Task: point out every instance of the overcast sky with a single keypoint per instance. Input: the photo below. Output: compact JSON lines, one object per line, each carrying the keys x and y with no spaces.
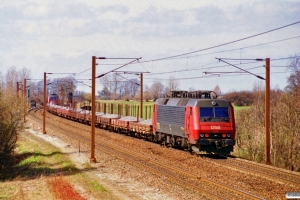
{"x":62,"y":36}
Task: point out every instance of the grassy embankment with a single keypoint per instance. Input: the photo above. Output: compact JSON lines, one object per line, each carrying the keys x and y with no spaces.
{"x":44,"y":172}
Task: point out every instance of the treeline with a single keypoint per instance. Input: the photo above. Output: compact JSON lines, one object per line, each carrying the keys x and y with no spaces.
{"x":285,"y":123}
{"x":116,"y":87}
{"x":240,"y":98}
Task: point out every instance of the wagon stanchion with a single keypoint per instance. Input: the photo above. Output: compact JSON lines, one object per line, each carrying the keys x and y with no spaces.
{"x":129,"y":110}
{"x":126,"y":110}
{"x":79,"y":146}
{"x":137,"y":114}
{"x":134,"y":111}
{"x":119,"y":110}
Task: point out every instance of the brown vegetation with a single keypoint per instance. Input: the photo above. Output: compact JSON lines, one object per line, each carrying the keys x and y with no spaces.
{"x":12,"y":111}
{"x":62,"y":189}
{"x":285,"y":126}
{"x":240,"y":98}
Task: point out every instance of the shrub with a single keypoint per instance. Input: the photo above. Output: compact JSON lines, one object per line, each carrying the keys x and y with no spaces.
{"x":11,"y":122}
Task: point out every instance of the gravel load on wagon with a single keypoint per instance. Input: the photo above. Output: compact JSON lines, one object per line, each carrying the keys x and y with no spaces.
{"x":99,"y":113}
{"x":130,"y":118}
{"x":147,"y":122}
{"x":110,"y":116}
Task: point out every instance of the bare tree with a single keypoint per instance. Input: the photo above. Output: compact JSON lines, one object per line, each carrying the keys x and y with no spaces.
{"x":12,"y":77}
{"x":173,"y":83}
{"x":294,"y":79}
{"x":147,"y":93}
{"x":24,"y":73}
{"x":156,"y":89}
{"x":116,"y":83}
{"x":105,"y":81}
{"x":126,"y":95}
{"x":134,"y":87}
{"x":104,"y":93}
{"x":113,"y":83}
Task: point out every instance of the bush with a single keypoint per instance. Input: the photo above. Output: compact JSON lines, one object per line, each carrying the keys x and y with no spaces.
{"x":284,"y":129}
{"x":11,"y":122}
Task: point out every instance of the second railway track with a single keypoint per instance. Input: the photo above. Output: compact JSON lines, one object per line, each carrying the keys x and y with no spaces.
{"x":260,"y":169}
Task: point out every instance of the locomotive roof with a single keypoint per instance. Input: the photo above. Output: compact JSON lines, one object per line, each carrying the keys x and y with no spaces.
{"x":191,"y":102}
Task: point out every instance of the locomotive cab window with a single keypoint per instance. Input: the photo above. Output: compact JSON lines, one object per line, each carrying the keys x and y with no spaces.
{"x":209,"y":114}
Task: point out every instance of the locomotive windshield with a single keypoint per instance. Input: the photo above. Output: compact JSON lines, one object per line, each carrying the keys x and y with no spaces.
{"x":214,"y":114}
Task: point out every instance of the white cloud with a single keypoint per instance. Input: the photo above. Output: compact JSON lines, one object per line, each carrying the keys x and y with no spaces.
{"x":35,"y":10}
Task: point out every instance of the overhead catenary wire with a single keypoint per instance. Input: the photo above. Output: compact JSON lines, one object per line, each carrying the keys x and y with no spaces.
{"x":212,"y":52}
{"x":235,"y":49}
{"x":197,"y":68}
{"x":214,"y":76}
{"x":222,"y":66}
{"x":224,"y":44}
{"x":192,"y":52}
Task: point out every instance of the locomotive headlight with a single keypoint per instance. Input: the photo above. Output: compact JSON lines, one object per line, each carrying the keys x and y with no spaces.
{"x":228,"y":135}
{"x":201,"y":135}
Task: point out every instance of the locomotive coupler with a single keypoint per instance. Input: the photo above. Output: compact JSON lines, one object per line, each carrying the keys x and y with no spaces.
{"x":217,"y":145}
{"x":224,"y":143}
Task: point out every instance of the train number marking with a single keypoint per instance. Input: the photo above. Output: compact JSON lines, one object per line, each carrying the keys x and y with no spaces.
{"x":215,"y":127}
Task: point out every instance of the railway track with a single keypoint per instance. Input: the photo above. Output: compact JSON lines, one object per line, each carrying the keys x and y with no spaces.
{"x":181,"y":177}
{"x":260,"y":169}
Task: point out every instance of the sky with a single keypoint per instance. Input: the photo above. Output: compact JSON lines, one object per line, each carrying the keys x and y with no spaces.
{"x":61,"y":37}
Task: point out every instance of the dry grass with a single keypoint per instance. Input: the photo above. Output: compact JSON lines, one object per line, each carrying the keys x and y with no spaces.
{"x":49,"y":174}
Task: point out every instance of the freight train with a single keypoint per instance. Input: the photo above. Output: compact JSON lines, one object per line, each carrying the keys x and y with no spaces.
{"x":195,"y":121}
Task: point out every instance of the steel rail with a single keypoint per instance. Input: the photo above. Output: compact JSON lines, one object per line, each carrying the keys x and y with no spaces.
{"x":261,"y":169}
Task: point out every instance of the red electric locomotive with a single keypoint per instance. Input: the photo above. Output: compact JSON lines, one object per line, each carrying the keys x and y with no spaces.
{"x":197,"y":121}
